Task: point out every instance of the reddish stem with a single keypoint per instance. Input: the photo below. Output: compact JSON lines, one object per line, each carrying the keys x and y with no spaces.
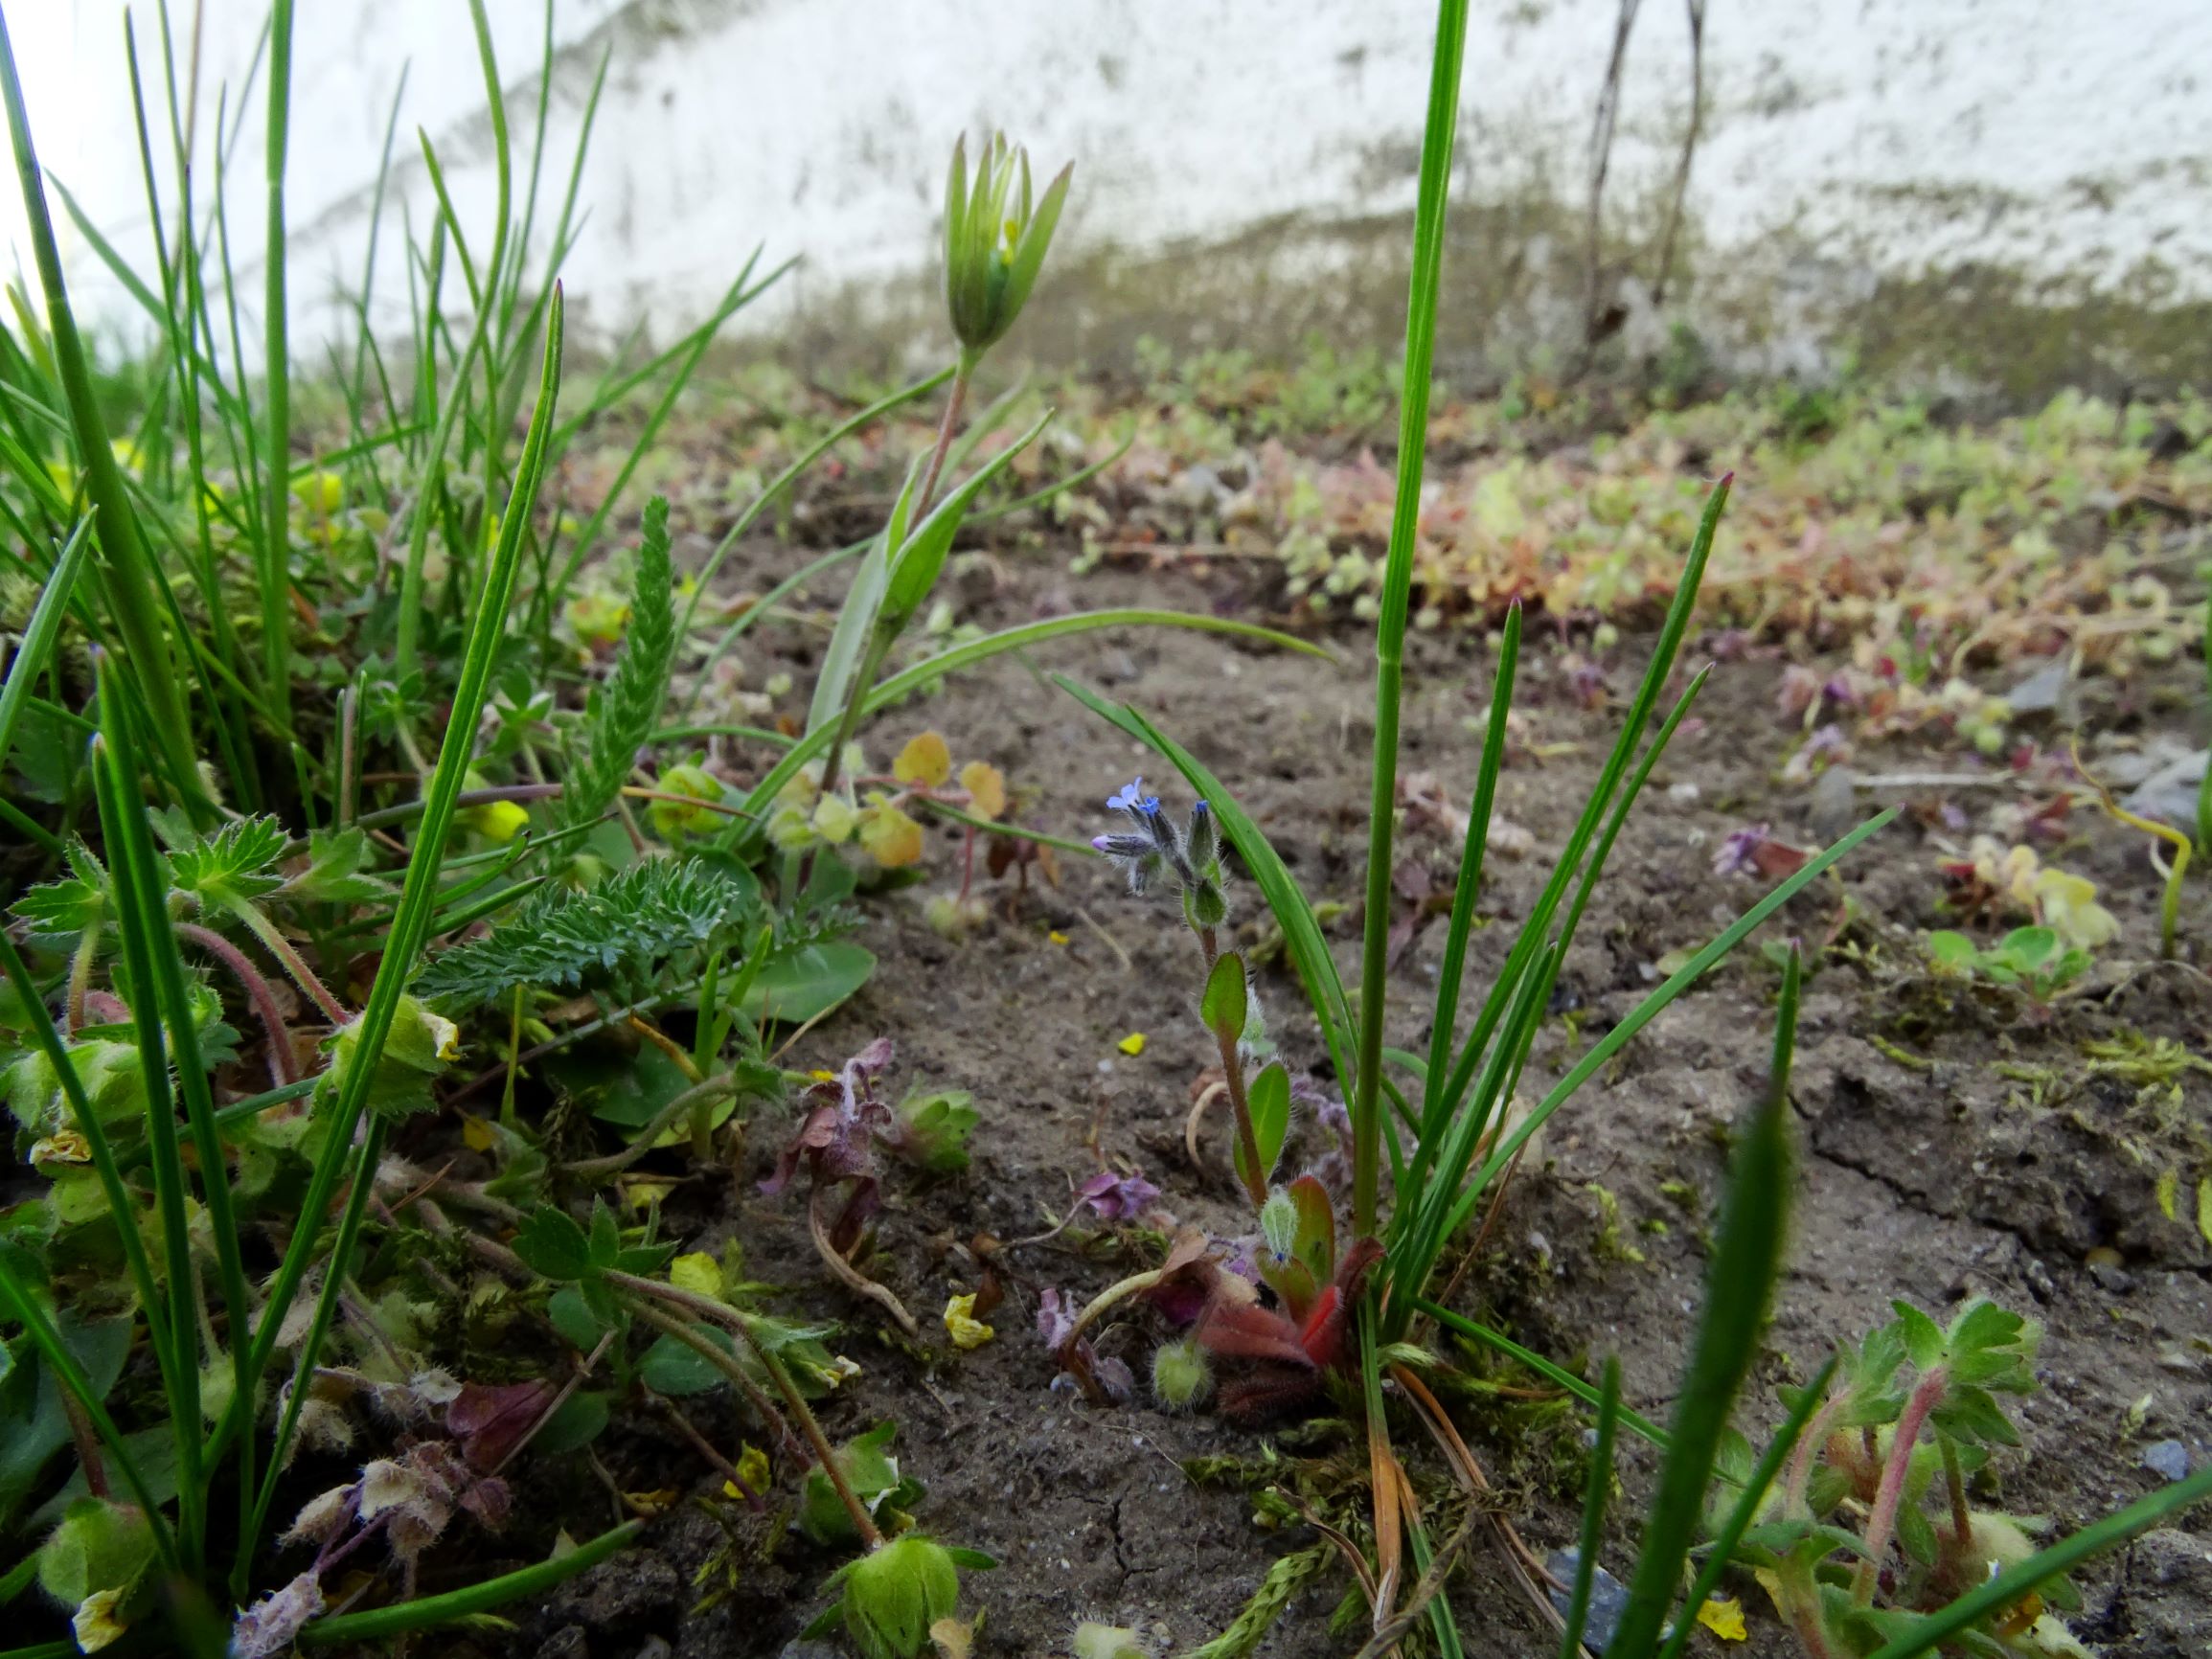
{"x":1925,"y":1397}
{"x":258,"y":992}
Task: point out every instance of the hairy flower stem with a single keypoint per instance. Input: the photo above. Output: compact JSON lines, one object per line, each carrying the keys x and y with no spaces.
{"x":294,"y":964}
{"x":1879,"y":1525}
{"x":258,"y":992}
{"x":1255,"y":1178}
{"x":81,"y":966}
{"x":723,"y":1314}
{"x":699,"y":1097}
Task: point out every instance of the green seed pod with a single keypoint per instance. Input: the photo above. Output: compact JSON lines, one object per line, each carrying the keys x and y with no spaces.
{"x":1181,"y":1377}
{"x":893,"y":1594}
{"x":1279,"y":1224}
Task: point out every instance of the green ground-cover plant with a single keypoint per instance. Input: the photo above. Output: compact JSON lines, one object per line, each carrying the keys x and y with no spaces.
{"x":341,"y":753}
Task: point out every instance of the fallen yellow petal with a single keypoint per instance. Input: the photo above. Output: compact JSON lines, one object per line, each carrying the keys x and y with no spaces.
{"x":753,"y":1468}
{"x":962,"y":1325}
{"x":1132,"y":1045}
{"x":475,"y":1133}
{"x":1057,"y":937}
{"x":1724,"y":1616}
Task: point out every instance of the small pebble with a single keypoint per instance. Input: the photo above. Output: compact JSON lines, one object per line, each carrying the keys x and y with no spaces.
{"x":2168,"y":1460}
{"x":2116,"y":1279}
{"x":1683,"y":794}
{"x":2039,"y":1279}
{"x":1608,"y":1598}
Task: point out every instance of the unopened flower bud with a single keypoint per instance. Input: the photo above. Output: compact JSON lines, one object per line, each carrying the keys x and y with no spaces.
{"x":994,"y":240}
{"x":893,"y":1594}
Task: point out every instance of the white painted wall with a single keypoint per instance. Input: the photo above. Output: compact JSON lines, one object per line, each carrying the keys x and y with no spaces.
{"x":1848,"y":140}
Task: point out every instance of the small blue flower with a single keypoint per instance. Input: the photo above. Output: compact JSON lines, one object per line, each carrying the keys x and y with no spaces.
{"x":1131,"y":798}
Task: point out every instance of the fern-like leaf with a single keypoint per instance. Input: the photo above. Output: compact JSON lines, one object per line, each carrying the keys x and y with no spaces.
{"x":621,"y":714}
{"x":616,"y":932}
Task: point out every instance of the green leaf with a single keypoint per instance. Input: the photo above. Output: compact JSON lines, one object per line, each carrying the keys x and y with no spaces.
{"x":916,"y":562}
{"x":581,"y":1420}
{"x":333,"y":875}
{"x":798,"y":985}
{"x":457,"y":1604}
{"x":1224,"y":1003}
{"x":1922,"y":1337}
{"x":1269,"y":1099}
{"x":676,"y":1369}
{"x":553,"y":1246}
{"x":634,"y":918}
{"x":579,"y":1327}
{"x":235,"y":865}
{"x":1952,"y":950}
{"x":605,"y":1242}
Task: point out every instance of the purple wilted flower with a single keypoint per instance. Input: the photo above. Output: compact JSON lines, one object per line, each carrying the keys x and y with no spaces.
{"x":1739,"y":852}
{"x":1114,"y":1197}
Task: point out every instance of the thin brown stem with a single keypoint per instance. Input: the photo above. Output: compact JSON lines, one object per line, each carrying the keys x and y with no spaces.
{"x":851,"y":1276}
{"x":723,"y":1314}
{"x":947,"y":425}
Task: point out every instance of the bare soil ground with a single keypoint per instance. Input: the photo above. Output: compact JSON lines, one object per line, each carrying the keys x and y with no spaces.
{"x":1949,"y":1143}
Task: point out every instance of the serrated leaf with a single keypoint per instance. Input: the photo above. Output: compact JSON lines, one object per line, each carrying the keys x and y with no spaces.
{"x":236,"y":864}
{"x":1922,"y":1337}
{"x":553,"y":1246}
{"x":622,"y":715}
{"x":335,"y":861}
{"x":559,"y":938}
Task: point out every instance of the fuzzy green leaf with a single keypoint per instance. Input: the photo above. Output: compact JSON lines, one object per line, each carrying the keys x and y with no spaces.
{"x":1224,"y":1002}
{"x":553,"y":1244}
{"x":234,"y":865}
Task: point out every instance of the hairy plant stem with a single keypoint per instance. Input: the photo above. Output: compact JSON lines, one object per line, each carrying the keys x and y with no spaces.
{"x":294,"y":964}
{"x":1925,"y":1399}
{"x":721,"y":1313}
{"x":1255,"y":1178}
{"x":81,"y":966}
{"x":698,"y":1097}
{"x":258,"y":992}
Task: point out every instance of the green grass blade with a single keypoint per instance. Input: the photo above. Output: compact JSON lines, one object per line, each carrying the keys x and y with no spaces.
{"x":1747,"y":1262}
{"x":1470,"y":860}
{"x":784,"y":480}
{"x":157,"y":980}
{"x":419,"y":895}
{"x":172,"y":1185}
{"x":1680,"y":981}
{"x":1596,"y":1493}
{"x":125,"y":564}
{"x":2014,"y":1582}
{"x":1746,"y":1507}
{"x":430,"y":1610}
{"x":41,"y":632}
{"x":275,"y":548}
{"x":1364,"y":1098}
{"x":1475,"y":1331}
{"x":1302,"y":935}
